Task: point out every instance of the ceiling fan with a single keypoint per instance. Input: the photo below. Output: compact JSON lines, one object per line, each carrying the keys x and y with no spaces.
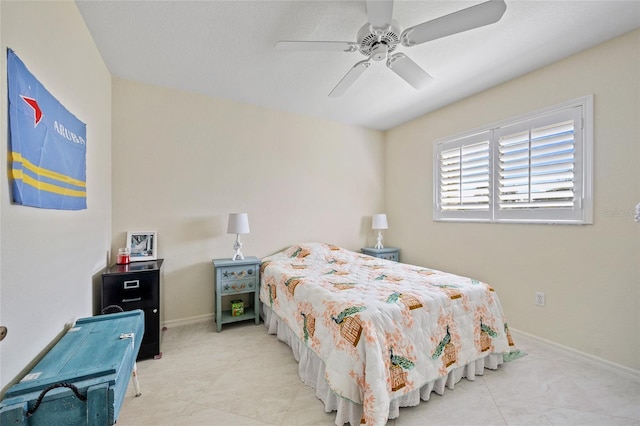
{"x":379,"y":38}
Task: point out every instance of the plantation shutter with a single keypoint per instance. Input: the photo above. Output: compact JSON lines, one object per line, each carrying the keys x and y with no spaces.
{"x":538,"y":166}
{"x":464,"y":175}
{"x":535,"y":168}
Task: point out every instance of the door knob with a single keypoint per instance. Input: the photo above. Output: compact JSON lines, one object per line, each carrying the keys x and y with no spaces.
{"x":3,"y":332}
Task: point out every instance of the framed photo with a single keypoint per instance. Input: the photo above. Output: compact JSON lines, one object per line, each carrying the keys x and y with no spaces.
{"x":142,"y":245}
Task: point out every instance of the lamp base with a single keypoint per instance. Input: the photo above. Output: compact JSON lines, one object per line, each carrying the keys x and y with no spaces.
{"x":238,"y":256}
{"x":379,"y":241}
{"x":237,"y":246}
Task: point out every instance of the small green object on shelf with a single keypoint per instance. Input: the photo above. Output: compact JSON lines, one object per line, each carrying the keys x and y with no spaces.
{"x":237,"y":308}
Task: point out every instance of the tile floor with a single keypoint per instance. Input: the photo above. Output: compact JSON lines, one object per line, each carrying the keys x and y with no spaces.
{"x":242,"y":376}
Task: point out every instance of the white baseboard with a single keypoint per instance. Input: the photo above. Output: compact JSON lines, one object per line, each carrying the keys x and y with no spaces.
{"x":601,"y":362}
{"x":188,"y":321}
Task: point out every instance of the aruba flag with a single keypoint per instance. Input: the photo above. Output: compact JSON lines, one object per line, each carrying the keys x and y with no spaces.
{"x":47,"y":145}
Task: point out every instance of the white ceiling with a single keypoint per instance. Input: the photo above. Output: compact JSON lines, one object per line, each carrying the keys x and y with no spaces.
{"x":226,"y":49}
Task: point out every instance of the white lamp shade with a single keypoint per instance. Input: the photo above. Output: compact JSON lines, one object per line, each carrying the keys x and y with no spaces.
{"x":238,"y":223}
{"x":379,"y":221}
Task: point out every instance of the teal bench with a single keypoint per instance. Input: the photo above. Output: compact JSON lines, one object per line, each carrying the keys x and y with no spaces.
{"x":82,"y":380}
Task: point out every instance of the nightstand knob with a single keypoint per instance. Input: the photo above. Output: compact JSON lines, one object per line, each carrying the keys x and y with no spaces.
{"x":250,"y":271}
{"x":225,"y":274}
{"x":226,"y":287}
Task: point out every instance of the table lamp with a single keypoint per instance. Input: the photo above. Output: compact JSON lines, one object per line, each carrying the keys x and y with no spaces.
{"x":379,"y":223}
{"x":238,"y":224}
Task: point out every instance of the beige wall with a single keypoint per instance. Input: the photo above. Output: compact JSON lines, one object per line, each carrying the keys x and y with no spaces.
{"x":590,"y":274}
{"x":49,"y":257}
{"x":183,"y":162}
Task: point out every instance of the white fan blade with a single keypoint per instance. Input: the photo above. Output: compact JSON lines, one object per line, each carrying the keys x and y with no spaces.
{"x":379,"y":13}
{"x":351,"y":76}
{"x":408,"y":70}
{"x":466,"y":19}
{"x":334,"y":46}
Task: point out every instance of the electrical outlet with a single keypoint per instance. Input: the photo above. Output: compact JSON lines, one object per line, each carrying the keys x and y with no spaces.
{"x":539,"y":298}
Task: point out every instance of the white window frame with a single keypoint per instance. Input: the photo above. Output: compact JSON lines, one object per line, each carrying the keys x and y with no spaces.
{"x":581,"y":111}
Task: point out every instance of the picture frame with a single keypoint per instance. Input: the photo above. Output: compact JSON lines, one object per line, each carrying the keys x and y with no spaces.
{"x":142,"y":246}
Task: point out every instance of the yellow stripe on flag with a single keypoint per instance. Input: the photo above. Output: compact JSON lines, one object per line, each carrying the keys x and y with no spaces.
{"x":16,"y":157}
{"x":43,"y":186}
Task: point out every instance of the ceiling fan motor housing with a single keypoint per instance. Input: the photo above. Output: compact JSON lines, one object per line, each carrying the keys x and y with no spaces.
{"x":377,"y":46}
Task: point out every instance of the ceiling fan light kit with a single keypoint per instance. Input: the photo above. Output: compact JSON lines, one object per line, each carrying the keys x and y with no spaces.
{"x":381,"y":35}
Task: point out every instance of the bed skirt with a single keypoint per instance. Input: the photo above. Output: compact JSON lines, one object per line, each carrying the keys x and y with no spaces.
{"x":311,"y":370}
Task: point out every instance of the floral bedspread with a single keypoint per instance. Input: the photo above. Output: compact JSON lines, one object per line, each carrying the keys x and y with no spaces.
{"x":382,"y":328}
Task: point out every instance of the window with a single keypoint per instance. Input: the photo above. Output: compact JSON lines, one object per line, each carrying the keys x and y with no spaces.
{"x":465,"y":177}
{"x":534,"y":168}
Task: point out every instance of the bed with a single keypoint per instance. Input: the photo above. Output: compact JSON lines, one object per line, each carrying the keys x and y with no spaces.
{"x":373,"y":335}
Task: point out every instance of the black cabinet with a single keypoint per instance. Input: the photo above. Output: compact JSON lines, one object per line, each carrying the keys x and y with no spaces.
{"x":136,"y":286}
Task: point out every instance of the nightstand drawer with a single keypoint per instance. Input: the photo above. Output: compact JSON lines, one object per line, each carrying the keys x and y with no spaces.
{"x":238,"y":286}
{"x":240,"y":272}
{"x":389,"y":256}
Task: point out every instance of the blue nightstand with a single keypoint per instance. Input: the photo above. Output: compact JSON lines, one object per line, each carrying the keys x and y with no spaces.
{"x":389,"y":253}
{"x":233,"y":278}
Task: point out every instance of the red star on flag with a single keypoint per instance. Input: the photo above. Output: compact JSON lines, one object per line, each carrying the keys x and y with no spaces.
{"x":37,"y":112}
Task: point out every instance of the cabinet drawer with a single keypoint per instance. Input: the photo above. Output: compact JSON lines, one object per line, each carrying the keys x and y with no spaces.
{"x":137,"y":290}
{"x":389,"y":256}
{"x":389,"y":253}
{"x":240,"y":272}
{"x":238,"y":286}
